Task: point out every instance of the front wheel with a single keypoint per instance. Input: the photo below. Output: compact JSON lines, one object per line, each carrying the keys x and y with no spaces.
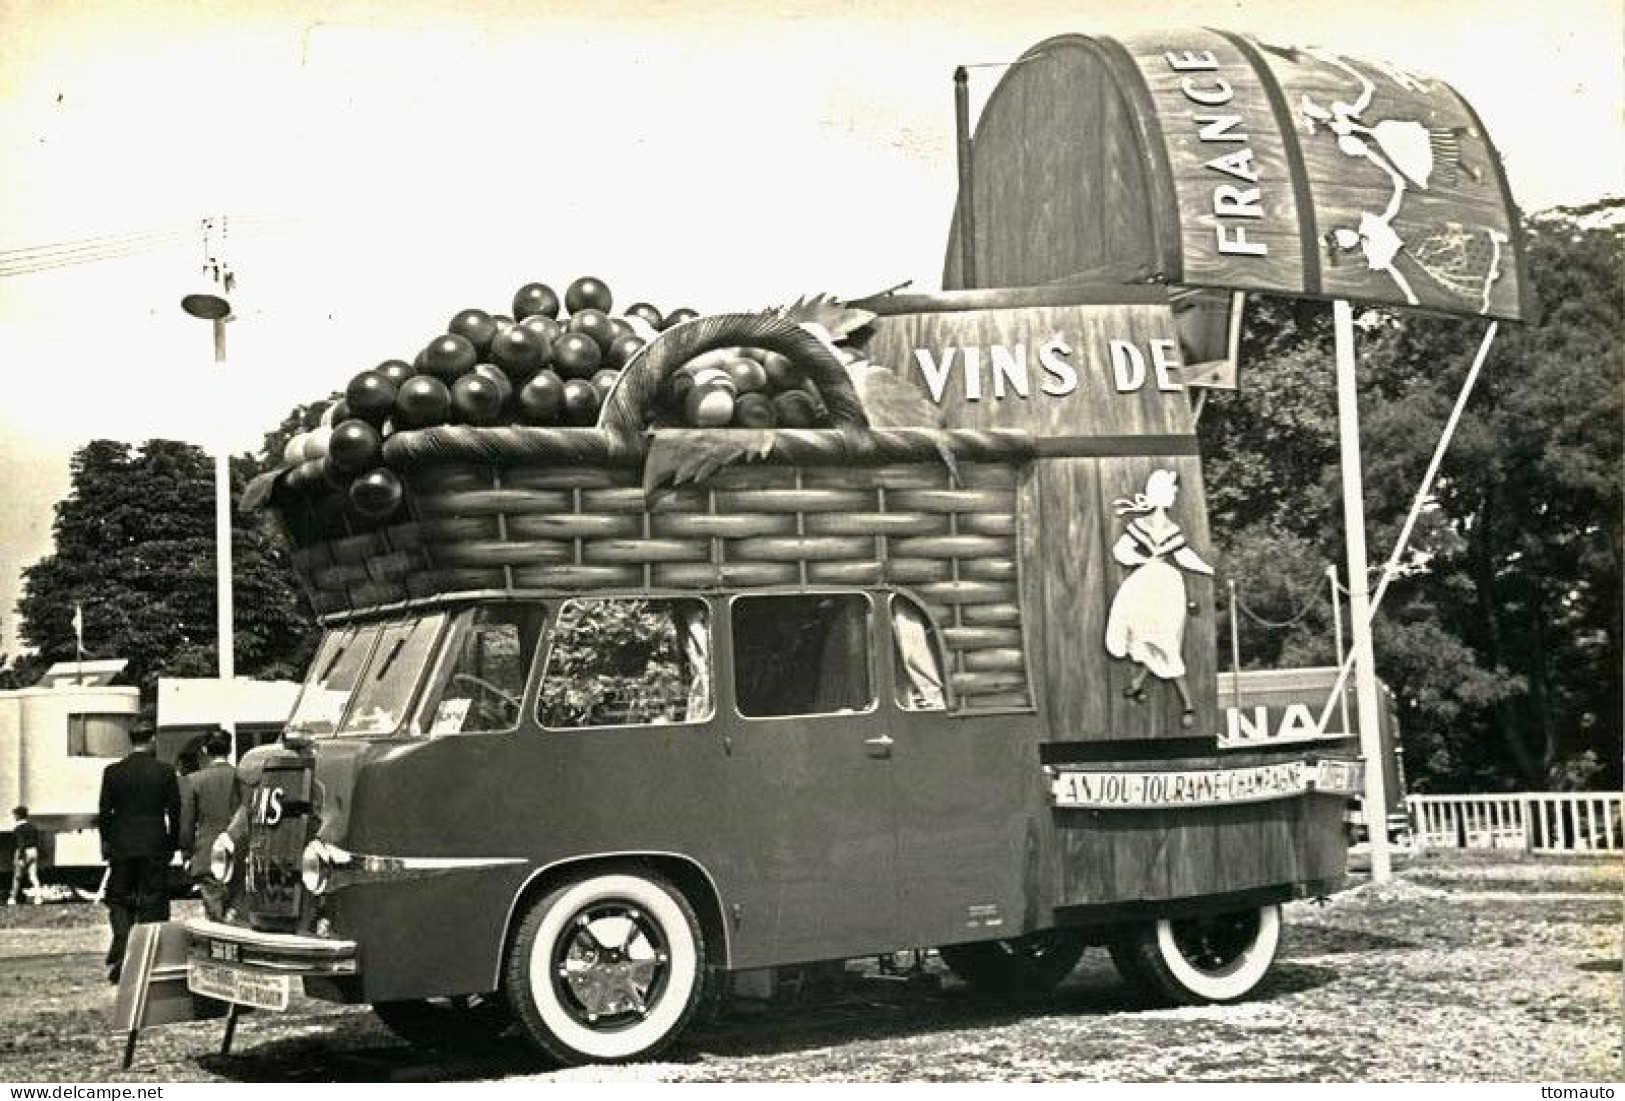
{"x":1031,"y":966}
{"x":608,"y":968}
{"x":1212,"y":959}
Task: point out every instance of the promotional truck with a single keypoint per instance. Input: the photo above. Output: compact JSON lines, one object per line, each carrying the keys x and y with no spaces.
{"x":660,"y":647}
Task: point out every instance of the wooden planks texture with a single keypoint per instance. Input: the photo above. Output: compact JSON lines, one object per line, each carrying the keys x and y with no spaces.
{"x":1067,"y":519}
{"x":1128,"y":856}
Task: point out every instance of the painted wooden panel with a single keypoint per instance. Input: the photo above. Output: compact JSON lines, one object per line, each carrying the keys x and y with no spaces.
{"x":1128,"y":856}
{"x":1205,"y":158}
{"x":1399,"y":192}
{"x":1230,"y":166}
{"x":1070,"y":502}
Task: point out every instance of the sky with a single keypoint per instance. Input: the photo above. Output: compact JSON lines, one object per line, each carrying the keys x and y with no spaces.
{"x":384,"y":165}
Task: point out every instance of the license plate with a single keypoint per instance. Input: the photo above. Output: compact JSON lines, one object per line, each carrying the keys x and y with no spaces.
{"x":224,"y":951}
{"x":233,"y":984}
{"x":1339,"y":777}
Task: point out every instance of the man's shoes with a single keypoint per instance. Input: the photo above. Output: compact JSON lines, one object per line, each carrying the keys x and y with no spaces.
{"x":114,"y":972}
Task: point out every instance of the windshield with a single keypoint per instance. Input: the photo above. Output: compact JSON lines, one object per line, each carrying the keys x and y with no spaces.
{"x":332,"y":680}
{"x":363,"y":678}
{"x":392,"y":674}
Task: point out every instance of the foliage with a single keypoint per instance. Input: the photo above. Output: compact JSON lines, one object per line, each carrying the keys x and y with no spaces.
{"x":615,"y":661}
{"x":1501,"y":631}
{"x":135,"y":549}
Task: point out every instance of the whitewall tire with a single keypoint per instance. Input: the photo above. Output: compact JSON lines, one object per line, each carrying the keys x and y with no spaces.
{"x":1214,"y":958}
{"x":608,"y":968}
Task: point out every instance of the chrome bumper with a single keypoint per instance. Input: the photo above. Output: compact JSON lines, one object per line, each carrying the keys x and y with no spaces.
{"x":288,"y":953}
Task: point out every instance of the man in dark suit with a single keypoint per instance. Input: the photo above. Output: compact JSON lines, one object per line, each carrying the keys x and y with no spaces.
{"x":140,"y":820}
{"x":209,"y":798}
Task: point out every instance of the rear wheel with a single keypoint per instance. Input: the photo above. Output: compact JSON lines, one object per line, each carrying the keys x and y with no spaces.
{"x":606,"y":969}
{"x":468,"y":1020}
{"x":1029,"y":966}
{"x":1203,"y":960}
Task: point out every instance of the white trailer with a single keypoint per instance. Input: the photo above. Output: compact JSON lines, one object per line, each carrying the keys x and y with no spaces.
{"x":56,"y":738}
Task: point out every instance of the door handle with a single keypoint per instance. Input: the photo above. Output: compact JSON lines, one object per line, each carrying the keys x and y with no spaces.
{"x":879,"y":746}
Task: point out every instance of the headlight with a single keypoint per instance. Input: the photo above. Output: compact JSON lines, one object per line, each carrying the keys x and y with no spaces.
{"x":317,"y":863}
{"x":222,"y":858}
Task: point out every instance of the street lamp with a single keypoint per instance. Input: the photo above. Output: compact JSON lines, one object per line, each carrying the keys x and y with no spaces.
{"x":212,"y":306}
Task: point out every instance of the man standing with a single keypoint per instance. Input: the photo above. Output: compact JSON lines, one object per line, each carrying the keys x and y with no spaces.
{"x":140,"y":824}
{"x":24,"y":857}
{"x":209,"y":798}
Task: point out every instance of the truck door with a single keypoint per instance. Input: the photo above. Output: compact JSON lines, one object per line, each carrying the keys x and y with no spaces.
{"x":810,"y":766}
{"x":968,"y":797}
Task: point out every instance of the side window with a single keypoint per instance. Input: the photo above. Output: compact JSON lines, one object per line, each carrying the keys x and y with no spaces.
{"x":916,"y":658}
{"x":627,"y":662}
{"x":802,"y":655}
{"x":484,"y":679}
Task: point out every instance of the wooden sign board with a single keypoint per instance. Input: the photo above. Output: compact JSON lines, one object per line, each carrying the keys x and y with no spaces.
{"x":152,"y":986}
{"x":1206,"y":158}
{"x":1095,"y":375}
{"x":1128,"y":789}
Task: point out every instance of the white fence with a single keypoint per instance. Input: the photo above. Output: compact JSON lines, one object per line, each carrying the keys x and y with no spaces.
{"x":1581,"y":821}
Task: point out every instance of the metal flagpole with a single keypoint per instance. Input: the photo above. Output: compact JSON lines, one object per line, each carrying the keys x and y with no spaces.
{"x":1365,"y":673}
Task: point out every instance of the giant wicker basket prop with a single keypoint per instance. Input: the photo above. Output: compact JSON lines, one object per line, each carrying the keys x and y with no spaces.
{"x":566,"y":510}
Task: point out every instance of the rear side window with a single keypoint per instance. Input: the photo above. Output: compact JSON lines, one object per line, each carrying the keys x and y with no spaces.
{"x":802,"y":655}
{"x":916,"y":658}
{"x":628,"y":662}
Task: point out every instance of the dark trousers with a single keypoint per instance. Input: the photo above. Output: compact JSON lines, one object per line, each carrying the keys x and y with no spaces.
{"x":137,"y":891}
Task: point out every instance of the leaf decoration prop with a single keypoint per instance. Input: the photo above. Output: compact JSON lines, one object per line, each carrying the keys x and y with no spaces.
{"x":678,"y":455}
{"x":838,"y":319}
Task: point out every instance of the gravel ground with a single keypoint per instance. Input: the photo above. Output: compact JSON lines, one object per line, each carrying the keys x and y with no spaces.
{"x":1461,"y":969}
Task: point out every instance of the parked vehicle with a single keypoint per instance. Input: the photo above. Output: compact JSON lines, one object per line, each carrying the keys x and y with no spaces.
{"x":923,"y":656}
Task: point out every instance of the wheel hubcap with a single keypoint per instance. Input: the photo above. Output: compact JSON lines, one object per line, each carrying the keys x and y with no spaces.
{"x":1215,"y":943}
{"x":611,"y":965}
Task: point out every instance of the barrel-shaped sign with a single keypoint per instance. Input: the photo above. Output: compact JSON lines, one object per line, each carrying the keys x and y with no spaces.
{"x":1206,"y":158}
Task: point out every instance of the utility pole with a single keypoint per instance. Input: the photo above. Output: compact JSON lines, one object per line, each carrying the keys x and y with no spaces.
{"x":214,"y":306}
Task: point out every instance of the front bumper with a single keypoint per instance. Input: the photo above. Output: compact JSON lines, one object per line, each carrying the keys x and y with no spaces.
{"x":283,"y":953}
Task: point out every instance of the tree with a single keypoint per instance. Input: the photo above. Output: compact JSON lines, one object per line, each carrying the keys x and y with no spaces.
{"x":134,"y":548}
{"x":1502,"y":634}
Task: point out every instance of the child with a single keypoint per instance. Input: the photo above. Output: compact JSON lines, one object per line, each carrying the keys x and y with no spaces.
{"x":24,"y":857}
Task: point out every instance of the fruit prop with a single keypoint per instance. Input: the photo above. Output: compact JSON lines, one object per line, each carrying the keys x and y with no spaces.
{"x":567,"y":384}
{"x":475,"y":326}
{"x":376,"y":493}
{"x":535,"y":300}
{"x":590,"y":452}
{"x":356,"y":446}
{"x":371,"y":396}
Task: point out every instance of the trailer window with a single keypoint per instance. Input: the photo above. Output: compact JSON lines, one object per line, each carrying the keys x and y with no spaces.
{"x":483,"y":680}
{"x":627,"y":662}
{"x":393,"y":672}
{"x":332,"y":680}
{"x":916,"y":658}
{"x":801,"y":655}
{"x":96,"y":735}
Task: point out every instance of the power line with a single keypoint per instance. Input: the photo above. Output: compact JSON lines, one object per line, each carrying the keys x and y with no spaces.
{"x":84,"y":244}
{"x":92,"y":250}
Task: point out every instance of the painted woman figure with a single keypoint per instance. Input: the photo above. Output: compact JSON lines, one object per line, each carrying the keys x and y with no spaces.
{"x":1146,"y":623}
